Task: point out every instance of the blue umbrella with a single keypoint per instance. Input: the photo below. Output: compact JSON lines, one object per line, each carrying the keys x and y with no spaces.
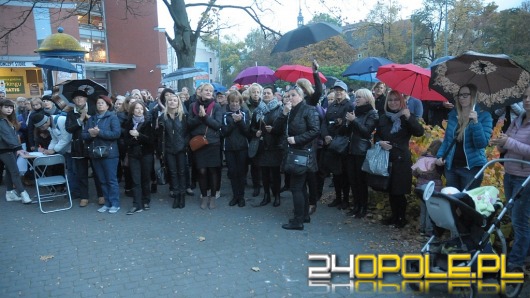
{"x":218,"y":87}
{"x":57,"y":64}
{"x":364,"y":66}
{"x":183,"y":73}
{"x":367,"y":77}
{"x":440,"y":60}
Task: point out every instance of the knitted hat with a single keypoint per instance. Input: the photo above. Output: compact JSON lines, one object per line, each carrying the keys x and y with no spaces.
{"x":39,"y":119}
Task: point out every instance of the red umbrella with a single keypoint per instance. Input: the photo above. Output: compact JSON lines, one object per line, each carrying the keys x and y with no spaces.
{"x":409,"y":79}
{"x":291,"y":73}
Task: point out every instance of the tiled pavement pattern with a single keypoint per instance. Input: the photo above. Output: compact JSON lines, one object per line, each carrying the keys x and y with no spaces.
{"x":165,"y":252}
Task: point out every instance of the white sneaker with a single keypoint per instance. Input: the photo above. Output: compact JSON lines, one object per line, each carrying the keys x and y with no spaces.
{"x":25,"y":197}
{"x":12,"y":196}
{"x":114,"y":209}
{"x":103,"y":209}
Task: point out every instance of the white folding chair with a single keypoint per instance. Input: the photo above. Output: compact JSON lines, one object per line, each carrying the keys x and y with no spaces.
{"x":46,"y":182}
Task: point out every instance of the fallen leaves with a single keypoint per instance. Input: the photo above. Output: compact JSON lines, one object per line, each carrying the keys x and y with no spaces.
{"x":201,"y":238}
{"x":255,"y":269}
{"x":46,"y":258}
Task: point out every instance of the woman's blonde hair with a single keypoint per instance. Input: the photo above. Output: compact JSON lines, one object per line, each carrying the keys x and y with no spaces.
{"x":363,"y":92}
{"x":306,"y":86}
{"x":179,"y":111}
{"x":463,"y":120}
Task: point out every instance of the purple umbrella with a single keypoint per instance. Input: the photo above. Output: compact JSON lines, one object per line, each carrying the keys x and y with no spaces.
{"x":256,"y":74}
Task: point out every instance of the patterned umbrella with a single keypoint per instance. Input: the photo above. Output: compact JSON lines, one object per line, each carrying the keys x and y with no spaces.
{"x":500,"y":81}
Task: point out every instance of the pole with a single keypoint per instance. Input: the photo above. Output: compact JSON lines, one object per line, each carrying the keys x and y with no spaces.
{"x":445,"y":34}
{"x":219,"y":50}
{"x":413,"y":47}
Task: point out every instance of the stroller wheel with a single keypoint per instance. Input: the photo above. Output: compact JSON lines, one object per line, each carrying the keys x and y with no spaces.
{"x":412,"y":267}
{"x":513,"y":290}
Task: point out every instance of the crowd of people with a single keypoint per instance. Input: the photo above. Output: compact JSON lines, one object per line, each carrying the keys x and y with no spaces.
{"x":256,"y":130}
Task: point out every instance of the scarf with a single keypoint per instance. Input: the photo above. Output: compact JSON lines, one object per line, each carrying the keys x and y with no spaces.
{"x":396,"y":120}
{"x":361,"y":110}
{"x":208,"y":106}
{"x":263,"y":109}
{"x":51,"y":111}
{"x":137,"y":120}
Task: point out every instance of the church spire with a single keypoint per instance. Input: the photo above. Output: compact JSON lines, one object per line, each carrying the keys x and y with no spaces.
{"x":300,"y":16}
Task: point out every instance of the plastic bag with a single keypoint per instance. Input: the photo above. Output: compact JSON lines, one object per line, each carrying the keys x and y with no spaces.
{"x":377,"y":161}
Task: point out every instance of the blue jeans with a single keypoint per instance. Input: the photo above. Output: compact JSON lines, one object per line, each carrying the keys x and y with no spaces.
{"x":520,"y":218}
{"x":107,"y":174}
{"x":460,"y":177}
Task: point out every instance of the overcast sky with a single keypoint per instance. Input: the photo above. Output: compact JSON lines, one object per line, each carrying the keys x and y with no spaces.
{"x":283,"y":18}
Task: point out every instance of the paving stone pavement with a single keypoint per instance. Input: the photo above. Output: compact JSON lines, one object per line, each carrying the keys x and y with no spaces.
{"x":167,"y":252}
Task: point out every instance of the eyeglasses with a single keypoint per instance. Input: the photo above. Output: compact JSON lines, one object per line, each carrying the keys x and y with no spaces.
{"x":464,"y":95}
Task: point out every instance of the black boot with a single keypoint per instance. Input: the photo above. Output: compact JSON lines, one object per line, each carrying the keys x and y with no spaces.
{"x":362,"y":212}
{"x":256,"y":191}
{"x":266,"y":199}
{"x":335,"y":203}
{"x":241,"y":202}
{"x":276,"y":200}
{"x":233,"y":201}
{"x":354,"y":210}
{"x":293,"y":225}
{"x":182,"y":202}
{"x":401,"y":220}
{"x":176,"y":201}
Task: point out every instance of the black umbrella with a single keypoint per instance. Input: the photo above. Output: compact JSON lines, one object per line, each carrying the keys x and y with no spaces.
{"x":65,"y":90}
{"x":500,"y":81}
{"x":331,"y":81}
{"x":306,"y":35}
{"x":183,"y":73}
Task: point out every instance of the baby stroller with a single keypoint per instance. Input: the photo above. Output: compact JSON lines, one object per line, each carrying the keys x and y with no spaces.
{"x":470,"y":230}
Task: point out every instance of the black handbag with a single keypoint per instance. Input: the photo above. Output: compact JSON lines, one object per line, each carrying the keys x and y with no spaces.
{"x":297,"y":161}
{"x":161,"y":176}
{"x":339,"y":144}
{"x":379,"y":183}
{"x":253,"y":146}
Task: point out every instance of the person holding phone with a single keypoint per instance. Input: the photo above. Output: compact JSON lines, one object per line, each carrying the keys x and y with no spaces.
{"x":467,"y":134}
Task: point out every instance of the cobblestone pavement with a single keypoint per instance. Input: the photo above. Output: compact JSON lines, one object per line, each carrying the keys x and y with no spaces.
{"x":165,"y":252}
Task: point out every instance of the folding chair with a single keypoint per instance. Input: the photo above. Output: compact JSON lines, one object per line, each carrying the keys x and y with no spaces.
{"x":44,"y":179}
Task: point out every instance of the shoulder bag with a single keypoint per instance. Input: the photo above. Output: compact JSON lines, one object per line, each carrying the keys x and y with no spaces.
{"x":297,"y":161}
{"x":199,"y":141}
{"x":161,"y":171}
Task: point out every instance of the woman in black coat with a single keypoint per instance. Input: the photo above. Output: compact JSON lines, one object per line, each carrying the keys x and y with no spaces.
{"x":300,"y":122}
{"x":139,"y":140}
{"x":235,"y":129}
{"x":174,"y":136}
{"x":359,"y":126}
{"x":331,"y":161}
{"x":396,"y":126}
{"x":205,"y":117}
{"x":270,"y":151}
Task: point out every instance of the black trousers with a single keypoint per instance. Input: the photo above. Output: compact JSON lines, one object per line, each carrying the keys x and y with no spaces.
{"x":141,"y":168}
{"x":272,"y":179}
{"x":300,"y":198}
{"x":176,"y":167}
{"x":81,"y":171}
{"x":357,"y":179}
{"x":236,"y":163}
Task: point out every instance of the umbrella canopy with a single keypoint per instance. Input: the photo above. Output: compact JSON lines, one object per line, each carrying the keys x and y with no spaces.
{"x":57,"y":64}
{"x":256,"y":74}
{"x":500,"y":81}
{"x":364,"y":66}
{"x":306,"y":35}
{"x":183,"y":73}
{"x":67,"y":88}
{"x":218,"y":87}
{"x":291,"y":73}
{"x":409,"y":79}
{"x":331,"y":81}
{"x":440,"y":60}
{"x":367,"y":77}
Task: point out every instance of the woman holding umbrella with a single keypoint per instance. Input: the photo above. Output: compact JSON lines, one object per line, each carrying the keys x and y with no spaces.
{"x":466,"y":137}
